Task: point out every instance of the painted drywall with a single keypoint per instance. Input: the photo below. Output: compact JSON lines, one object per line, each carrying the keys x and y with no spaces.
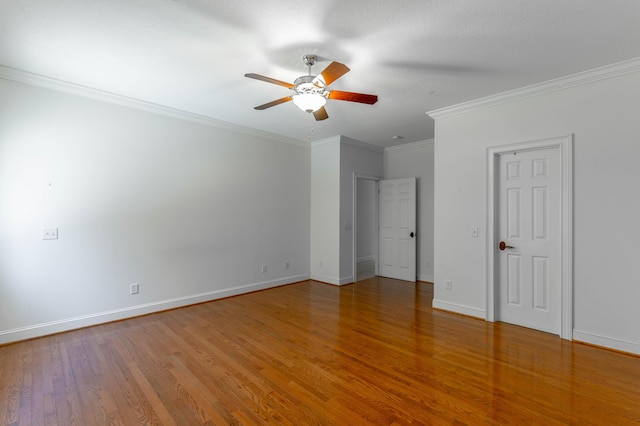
{"x":416,"y":160}
{"x":602,"y":116}
{"x":190,"y":212}
{"x":325,"y":210}
{"x":356,"y":158}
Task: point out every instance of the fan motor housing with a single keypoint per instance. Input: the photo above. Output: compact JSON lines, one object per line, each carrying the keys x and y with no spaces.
{"x":305,"y":85}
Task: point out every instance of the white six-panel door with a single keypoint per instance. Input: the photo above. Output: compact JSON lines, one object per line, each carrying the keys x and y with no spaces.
{"x":529,"y":224}
{"x":397,"y":248}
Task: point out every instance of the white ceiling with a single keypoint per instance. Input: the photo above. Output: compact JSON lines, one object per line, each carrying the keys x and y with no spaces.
{"x":416,"y":55}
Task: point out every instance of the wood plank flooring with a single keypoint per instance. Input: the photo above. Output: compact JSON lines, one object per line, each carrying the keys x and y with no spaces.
{"x":374,"y":352}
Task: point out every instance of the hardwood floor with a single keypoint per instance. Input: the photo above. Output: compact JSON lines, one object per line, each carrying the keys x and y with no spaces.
{"x":374,"y":352}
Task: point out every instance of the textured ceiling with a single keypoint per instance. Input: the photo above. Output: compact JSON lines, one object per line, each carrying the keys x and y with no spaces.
{"x":416,"y":55}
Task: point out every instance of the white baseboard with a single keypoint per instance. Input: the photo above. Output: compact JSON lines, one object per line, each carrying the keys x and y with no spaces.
{"x":606,"y":341}
{"x":425,"y":277}
{"x":459,"y":309}
{"x":346,"y":280}
{"x":366,"y":258}
{"x":332,"y":280}
{"x":325,"y":279}
{"x":67,"y":324}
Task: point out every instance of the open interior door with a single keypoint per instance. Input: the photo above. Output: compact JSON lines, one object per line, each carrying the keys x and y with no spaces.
{"x":398,"y":229}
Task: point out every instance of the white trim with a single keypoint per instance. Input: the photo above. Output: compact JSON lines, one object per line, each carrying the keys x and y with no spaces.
{"x":32,"y":79}
{"x":584,"y":77}
{"x":425,"y":278}
{"x":67,"y":324}
{"x":325,"y":279}
{"x":459,"y":309}
{"x":332,"y":280}
{"x":366,"y":258}
{"x":346,"y":280}
{"x":331,"y":140}
{"x":409,"y":145}
{"x":607,"y":342}
{"x":345,"y":140}
{"x":565,"y":144}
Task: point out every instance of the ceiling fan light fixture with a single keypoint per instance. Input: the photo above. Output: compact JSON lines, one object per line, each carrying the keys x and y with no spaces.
{"x":311,"y":91}
{"x":309,"y":102}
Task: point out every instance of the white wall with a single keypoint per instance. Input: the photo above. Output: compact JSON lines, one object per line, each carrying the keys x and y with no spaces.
{"x":325,"y":210}
{"x":188,"y":211}
{"x":603,"y":117}
{"x":416,"y":160}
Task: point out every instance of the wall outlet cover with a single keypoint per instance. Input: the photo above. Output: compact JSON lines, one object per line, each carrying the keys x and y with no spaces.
{"x":49,"y":233}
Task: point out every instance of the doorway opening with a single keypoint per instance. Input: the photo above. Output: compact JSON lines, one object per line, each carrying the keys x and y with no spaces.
{"x":365,"y":220}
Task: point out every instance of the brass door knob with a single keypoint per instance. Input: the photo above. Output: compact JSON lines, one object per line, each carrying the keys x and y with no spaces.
{"x":504,"y":245}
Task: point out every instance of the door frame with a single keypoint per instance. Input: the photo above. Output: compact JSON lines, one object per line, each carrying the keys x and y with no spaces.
{"x":565,"y":145}
{"x":354,"y":221}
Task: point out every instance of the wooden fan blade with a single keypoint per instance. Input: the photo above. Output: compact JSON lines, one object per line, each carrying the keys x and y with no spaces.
{"x":353,"y":97}
{"x":334,"y":71}
{"x":321,"y":114}
{"x":270,"y":80}
{"x":274,"y":103}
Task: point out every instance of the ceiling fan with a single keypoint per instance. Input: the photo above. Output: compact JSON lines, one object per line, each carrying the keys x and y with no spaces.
{"x":311,"y":91}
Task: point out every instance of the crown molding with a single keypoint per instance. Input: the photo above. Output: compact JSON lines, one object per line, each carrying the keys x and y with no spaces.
{"x":38,"y":80}
{"x":584,"y":77}
{"x":330,"y":140}
{"x":409,"y":145}
{"x":345,"y":140}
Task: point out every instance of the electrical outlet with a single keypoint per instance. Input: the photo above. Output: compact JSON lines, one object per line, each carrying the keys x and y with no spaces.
{"x":286,"y":265}
{"x":448,"y":285}
{"x":474,"y":232}
{"x":134,"y":288}
{"x":49,"y":233}
{"x":264,"y":268}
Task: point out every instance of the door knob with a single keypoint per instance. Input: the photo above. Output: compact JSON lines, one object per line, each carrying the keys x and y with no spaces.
{"x":411,"y":234}
{"x":504,"y":245}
